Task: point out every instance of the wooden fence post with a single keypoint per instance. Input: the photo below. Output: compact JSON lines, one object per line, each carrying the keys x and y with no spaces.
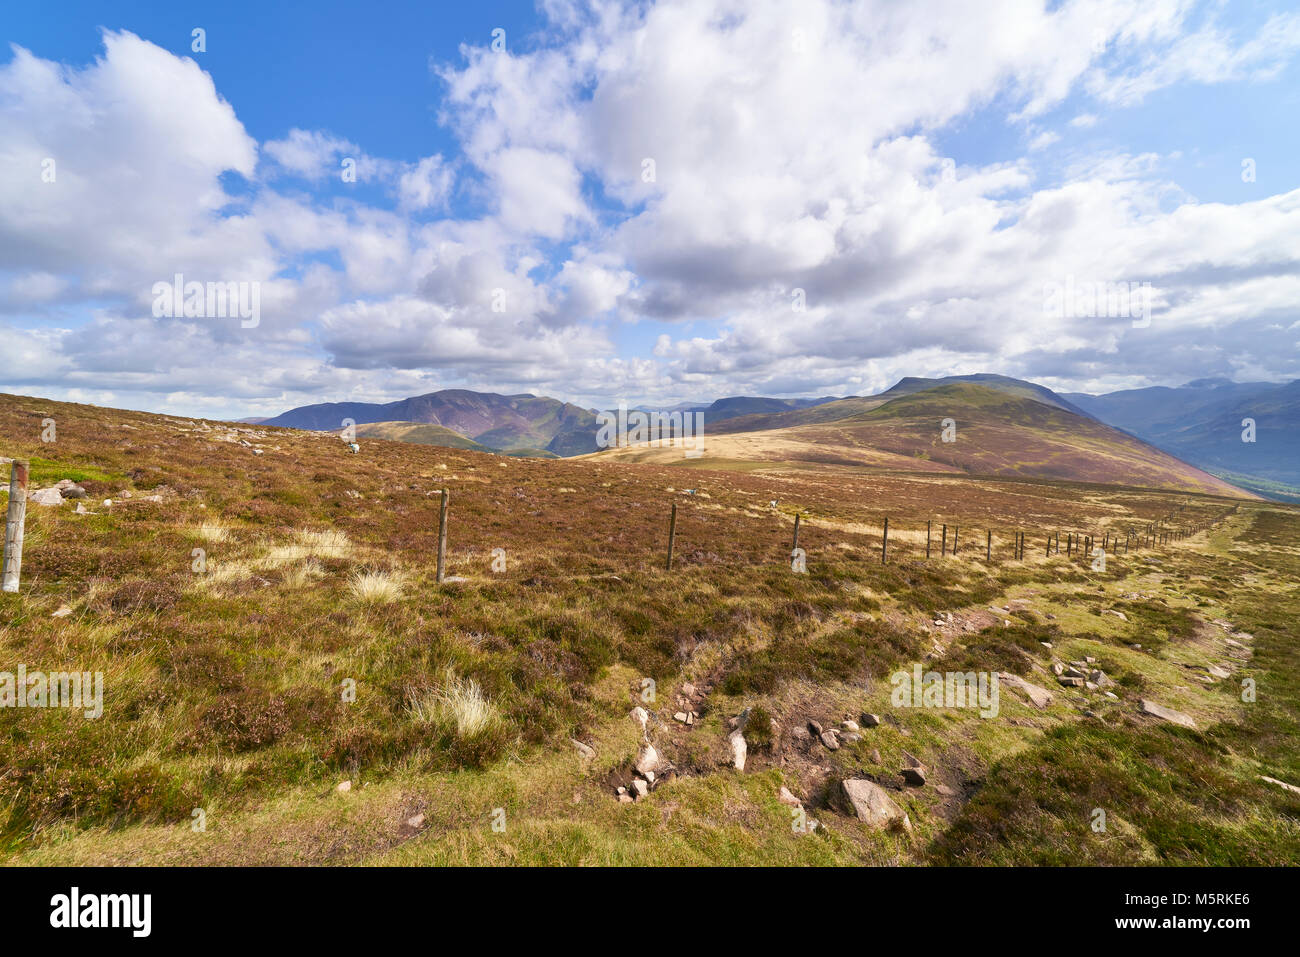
{"x":442,"y":536}
{"x":943,"y":542}
{"x":955,"y":530}
{"x":796,"y":532}
{"x":884,"y":543}
{"x":672,"y":535}
{"x":14,"y":524}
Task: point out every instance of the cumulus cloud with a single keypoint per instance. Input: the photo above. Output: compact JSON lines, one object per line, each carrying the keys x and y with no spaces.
{"x":763,"y":183}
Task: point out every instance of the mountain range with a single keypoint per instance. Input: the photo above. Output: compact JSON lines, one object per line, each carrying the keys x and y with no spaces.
{"x":1006,"y":426}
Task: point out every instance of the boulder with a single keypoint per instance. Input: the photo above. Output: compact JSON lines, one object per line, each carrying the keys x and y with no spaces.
{"x":1038,"y":697}
{"x":1166,"y":714}
{"x":870,"y":720}
{"x":46,"y":496}
{"x":829,"y":739}
{"x":871,"y":803}
{"x":585,"y":750}
{"x":788,"y":799}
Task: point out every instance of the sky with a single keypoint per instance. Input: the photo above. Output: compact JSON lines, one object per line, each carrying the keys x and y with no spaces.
{"x":650,"y":202}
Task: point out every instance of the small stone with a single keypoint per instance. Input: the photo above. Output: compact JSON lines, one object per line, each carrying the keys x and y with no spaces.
{"x":640,"y":788}
{"x":625,"y":799}
{"x":815,"y":727}
{"x":680,"y":716}
{"x":788,"y":799}
{"x":1282,"y":784}
{"x":641,"y":717}
{"x":344,"y":787}
{"x":1071,"y":682}
{"x":874,"y":756}
{"x":739,"y":750}
{"x":63,"y":612}
{"x":829,"y":739}
{"x":688,"y":689}
{"x":416,"y":822}
{"x":1218,"y":672}
{"x":74,"y":491}
{"x":585,"y":750}
{"x":46,"y":496}
{"x":849,"y":726}
{"x":870,"y":720}
{"x":914,"y":776}
{"x":647,"y":759}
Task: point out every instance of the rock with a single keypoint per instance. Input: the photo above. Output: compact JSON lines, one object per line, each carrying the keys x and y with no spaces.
{"x":74,"y":491}
{"x":1071,"y":682}
{"x":849,"y":725}
{"x":914,"y":776}
{"x":1112,"y":696}
{"x":63,"y":612}
{"x":649,"y":777}
{"x":641,"y":716}
{"x":688,"y":689}
{"x":1099,"y":678}
{"x":788,"y":799}
{"x":871,"y":803}
{"x":1058,"y":669}
{"x":1072,"y":672}
{"x":911,"y":760}
{"x":874,"y":756}
{"x":648,"y":759}
{"x":870,"y":720}
{"x":1282,"y":784}
{"x":1038,"y":697}
{"x":829,"y":739}
{"x":1118,"y":614}
{"x":690,"y":717}
{"x":46,"y":496}
{"x":680,"y":716}
{"x":815,"y":727}
{"x":1218,"y":672}
{"x":416,"y":822}
{"x":625,"y":799}
{"x":344,"y":787}
{"x":640,"y":788}
{"x":852,"y":737}
{"x":739,"y":750}
{"x":945,"y":791}
{"x":1166,"y":714}
{"x":108,"y":503}
{"x":585,"y":750}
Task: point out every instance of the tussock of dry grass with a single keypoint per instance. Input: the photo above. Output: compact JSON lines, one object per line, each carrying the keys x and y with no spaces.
{"x":375,"y":586}
{"x":308,"y":543}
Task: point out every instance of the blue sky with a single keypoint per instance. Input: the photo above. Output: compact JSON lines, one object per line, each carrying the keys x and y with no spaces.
{"x":796,"y":147}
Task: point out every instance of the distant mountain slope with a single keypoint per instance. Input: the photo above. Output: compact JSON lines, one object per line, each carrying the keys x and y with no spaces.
{"x":741,"y":405}
{"x":420,"y":433}
{"x":1201,"y":423}
{"x":504,"y":422}
{"x":838,"y":409}
{"x":999,"y":431}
